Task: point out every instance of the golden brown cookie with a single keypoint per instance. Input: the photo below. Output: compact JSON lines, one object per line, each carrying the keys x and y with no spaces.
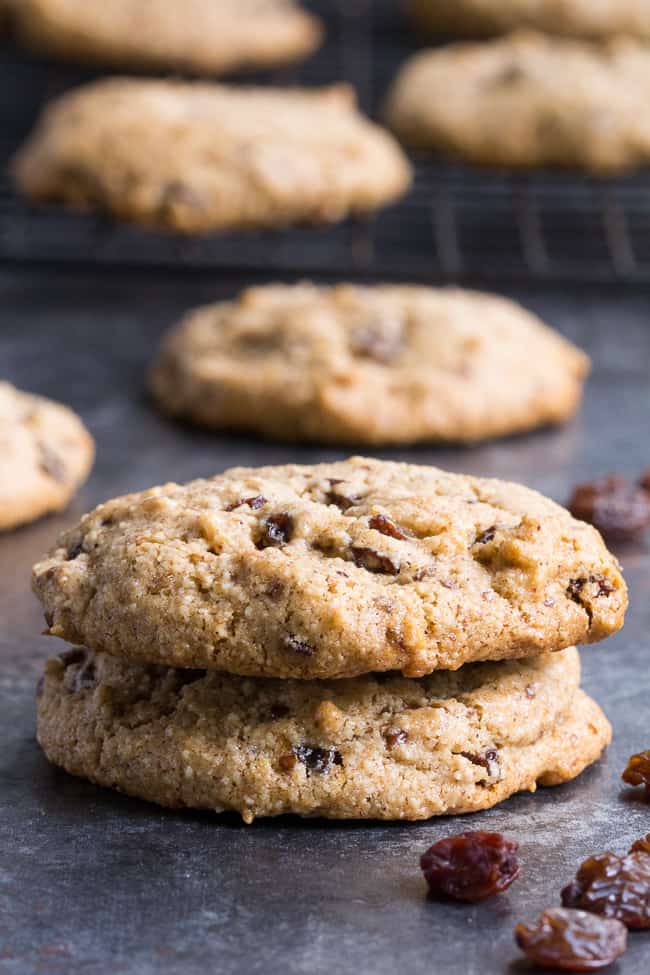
{"x":45,"y":455}
{"x":362,"y":749}
{"x":199,"y":36}
{"x":528,"y":100}
{"x":348,"y":364}
{"x":331,"y":570}
{"x":195,"y":156}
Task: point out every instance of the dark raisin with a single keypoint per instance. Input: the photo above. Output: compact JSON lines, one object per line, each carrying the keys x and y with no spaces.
{"x":638,"y":771}
{"x":368,"y":558}
{"x":51,"y":464}
{"x":381,"y":342}
{"x":255,"y":503}
{"x":489,"y":761}
{"x":486,"y":536}
{"x":613,"y":886}
{"x":644,"y":481}
{"x":276,"y":530}
{"x":575,"y":591}
{"x":340,"y":497}
{"x":295,"y":645}
{"x":619,"y":510}
{"x":642,"y":845}
{"x":317,"y":759}
{"x":387,"y":527}
{"x":572,"y":941}
{"x":279,"y":711}
{"x":75,"y":655}
{"x":74,"y":551}
{"x":188,"y":675}
{"x":470,"y":866}
{"x":395,"y":736}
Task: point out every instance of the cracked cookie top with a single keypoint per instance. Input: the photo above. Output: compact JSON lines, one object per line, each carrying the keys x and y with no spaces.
{"x":195,"y":156}
{"x":331,"y":570}
{"x":378,"y":364}
{"x":201,"y":36}
{"x":45,"y":454}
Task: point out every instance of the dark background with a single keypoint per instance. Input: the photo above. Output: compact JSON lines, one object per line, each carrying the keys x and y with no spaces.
{"x":91,"y":882}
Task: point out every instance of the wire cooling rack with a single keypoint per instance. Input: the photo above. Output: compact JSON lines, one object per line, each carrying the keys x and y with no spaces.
{"x":456,"y":222}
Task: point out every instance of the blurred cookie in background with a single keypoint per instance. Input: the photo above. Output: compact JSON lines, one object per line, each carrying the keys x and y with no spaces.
{"x":528,"y":100}
{"x":367,"y":365}
{"x":195,"y":156}
{"x":45,"y":454}
{"x":199,"y":36}
{"x":576,"y":18}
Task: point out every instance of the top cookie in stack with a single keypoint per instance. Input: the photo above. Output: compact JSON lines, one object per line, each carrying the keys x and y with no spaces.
{"x":331,"y":570}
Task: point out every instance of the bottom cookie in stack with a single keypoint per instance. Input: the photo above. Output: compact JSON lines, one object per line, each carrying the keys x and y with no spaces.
{"x":376,"y":747}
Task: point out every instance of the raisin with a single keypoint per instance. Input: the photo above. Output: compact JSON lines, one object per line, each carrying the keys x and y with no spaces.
{"x":74,"y":551}
{"x":298,"y":646}
{"x":340,"y":498}
{"x":287,"y":762}
{"x":381,"y":342}
{"x":572,"y":941}
{"x":638,"y":771}
{"x":395,"y":736}
{"x":368,"y":558}
{"x":387,"y":527}
{"x":51,"y":464}
{"x":644,"y":481}
{"x":486,"y":536}
{"x":642,"y":845}
{"x":276,"y":530}
{"x":279,"y":711}
{"x":470,"y":866}
{"x":613,"y":886}
{"x":488,"y":761}
{"x":317,"y":759}
{"x":257,"y":502}
{"x":619,"y":510}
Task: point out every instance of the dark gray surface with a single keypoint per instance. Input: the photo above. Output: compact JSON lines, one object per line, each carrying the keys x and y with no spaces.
{"x":91,"y":882}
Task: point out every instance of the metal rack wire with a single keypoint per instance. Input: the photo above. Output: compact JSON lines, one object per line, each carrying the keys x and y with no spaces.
{"x":456,"y":222}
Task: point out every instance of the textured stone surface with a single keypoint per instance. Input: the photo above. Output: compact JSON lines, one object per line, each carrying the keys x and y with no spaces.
{"x":92,"y":883}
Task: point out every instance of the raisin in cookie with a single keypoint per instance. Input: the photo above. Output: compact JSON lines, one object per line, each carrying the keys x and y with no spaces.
{"x":331,"y":570}
{"x":528,"y":100}
{"x":364,"y":748}
{"x":578,"y":18}
{"x":45,"y":454}
{"x":195,"y":156}
{"x":368,"y":365}
{"x":200,"y":36}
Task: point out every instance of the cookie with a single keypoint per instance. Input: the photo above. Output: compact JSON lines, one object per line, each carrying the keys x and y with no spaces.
{"x":45,"y":454}
{"x":528,"y":100}
{"x":199,"y":36}
{"x":577,"y":18}
{"x":361,"y":749}
{"x":391,"y":364}
{"x":195,"y":156}
{"x":331,"y":570}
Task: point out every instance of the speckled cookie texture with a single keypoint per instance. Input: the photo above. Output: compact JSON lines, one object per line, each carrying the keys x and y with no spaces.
{"x":45,"y":454}
{"x":579,"y":18}
{"x":200,"y":36}
{"x":196,"y":156}
{"x":391,"y":364}
{"x":528,"y":100}
{"x":387,"y":748}
{"x":331,"y":570}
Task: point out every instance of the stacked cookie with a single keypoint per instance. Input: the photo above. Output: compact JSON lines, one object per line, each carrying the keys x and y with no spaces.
{"x":355,"y":639}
